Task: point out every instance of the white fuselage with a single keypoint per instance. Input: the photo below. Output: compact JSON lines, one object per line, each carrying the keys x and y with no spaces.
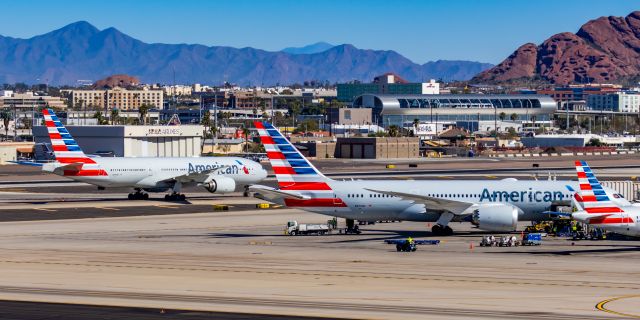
{"x":156,"y":173}
{"x":354,"y":201}
{"x":625,"y":223}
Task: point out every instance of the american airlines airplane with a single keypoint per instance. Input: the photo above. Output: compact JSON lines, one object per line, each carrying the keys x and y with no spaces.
{"x":489,"y":204}
{"x":215,"y":174}
{"x":599,"y":209}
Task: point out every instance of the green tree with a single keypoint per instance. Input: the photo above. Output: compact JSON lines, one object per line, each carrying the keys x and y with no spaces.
{"x":278,"y":118}
{"x":143,"y":110}
{"x":294,"y":110}
{"x":594,"y":142}
{"x":502,"y":116}
{"x":115,"y":114}
{"x":6,"y":119}
{"x":98,"y":116}
{"x":514,"y":116}
{"x":308,"y":125}
{"x":394,"y":131}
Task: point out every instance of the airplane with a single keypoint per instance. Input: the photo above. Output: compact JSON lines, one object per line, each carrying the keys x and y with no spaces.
{"x":597,"y":208}
{"x":492,"y":205}
{"x":215,"y":174}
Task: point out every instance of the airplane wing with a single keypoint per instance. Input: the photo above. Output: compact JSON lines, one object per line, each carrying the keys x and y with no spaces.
{"x":431,"y":203}
{"x":277,"y":193}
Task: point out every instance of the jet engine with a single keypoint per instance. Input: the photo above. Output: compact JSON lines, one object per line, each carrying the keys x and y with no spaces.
{"x":498,"y":217}
{"x":220,"y":185}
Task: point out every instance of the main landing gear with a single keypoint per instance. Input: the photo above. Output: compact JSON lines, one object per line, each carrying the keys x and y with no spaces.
{"x":175,"y":197}
{"x":138,"y":195}
{"x":175,"y":194}
{"x":440,"y":230}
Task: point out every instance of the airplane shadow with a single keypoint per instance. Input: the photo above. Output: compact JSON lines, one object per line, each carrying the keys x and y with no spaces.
{"x":236,"y":235}
{"x":95,"y":200}
{"x":573,"y":252}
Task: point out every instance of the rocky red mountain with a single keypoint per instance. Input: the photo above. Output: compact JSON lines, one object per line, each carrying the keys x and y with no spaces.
{"x":606,"y":49}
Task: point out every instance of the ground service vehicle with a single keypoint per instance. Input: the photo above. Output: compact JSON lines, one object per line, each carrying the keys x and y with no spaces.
{"x":532,"y":239}
{"x":294,"y":228}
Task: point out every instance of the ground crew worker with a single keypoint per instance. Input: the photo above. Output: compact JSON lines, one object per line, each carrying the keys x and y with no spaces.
{"x":410,"y":240}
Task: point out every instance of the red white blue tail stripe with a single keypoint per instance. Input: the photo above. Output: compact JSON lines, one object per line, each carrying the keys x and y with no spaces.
{"x":67,"y":151}
{"x":594,"y":199}
{"x":294,"y":172}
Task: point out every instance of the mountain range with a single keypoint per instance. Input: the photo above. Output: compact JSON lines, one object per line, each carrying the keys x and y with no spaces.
{"x":606,"y":49}
{"x":309,"y":49}
{"x":80,"y":51}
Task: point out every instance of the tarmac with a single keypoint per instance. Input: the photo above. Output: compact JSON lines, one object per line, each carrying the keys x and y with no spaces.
{"x":91,"y":254}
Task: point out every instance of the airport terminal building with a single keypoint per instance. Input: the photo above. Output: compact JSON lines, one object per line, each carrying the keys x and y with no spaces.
{"x":466,"y":110}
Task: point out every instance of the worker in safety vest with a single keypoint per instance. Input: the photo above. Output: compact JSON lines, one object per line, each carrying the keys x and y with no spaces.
{"x":410,"y":240}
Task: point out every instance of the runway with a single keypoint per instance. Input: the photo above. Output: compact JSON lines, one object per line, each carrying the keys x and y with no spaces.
{"x":239,"y":261}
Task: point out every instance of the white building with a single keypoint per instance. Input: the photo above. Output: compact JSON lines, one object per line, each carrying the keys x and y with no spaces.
{"x":134,"y":141}
{"x":431,"y":87}
{"x":177,"y":90}
{"x":626,"y":101}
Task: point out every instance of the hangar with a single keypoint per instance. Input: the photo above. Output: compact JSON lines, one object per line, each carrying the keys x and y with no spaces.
{"x":133,"y":141}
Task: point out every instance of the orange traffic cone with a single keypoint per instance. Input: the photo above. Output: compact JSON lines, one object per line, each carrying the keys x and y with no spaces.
{"x":471,"y":246}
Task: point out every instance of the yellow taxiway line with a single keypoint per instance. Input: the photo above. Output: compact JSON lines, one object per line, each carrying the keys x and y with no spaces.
{"x":601,"y":306}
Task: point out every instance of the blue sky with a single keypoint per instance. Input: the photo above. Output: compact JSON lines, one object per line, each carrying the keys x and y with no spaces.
{"x":486,"y":31}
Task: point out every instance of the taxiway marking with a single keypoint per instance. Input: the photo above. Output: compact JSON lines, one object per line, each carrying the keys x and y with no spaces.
{"x":601,"y":306}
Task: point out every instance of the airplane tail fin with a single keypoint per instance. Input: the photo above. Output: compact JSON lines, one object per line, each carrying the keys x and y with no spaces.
{"x":293,"y":171}
{"x":65,"y":148}
{"x":592,"y":197}
{"x":72,"y":160}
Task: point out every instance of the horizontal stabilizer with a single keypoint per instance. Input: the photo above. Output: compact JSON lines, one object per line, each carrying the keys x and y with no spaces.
{"x":279,"y":193}
{"x":27,"y":163}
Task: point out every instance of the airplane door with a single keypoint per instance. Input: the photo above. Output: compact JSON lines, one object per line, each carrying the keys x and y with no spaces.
{"x":336,"y":200}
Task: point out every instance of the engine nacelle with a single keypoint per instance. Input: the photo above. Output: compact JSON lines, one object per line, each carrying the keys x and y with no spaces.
{"x":498,"y":217}
{"x":220,"y":185}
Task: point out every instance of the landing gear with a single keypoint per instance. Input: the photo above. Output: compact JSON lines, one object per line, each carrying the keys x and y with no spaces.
{"x":246,"y":191}
{"x":175,"y":197}
{"x":352,"y":228}
{"x":138,"y":195}
{"x":440,"y":230}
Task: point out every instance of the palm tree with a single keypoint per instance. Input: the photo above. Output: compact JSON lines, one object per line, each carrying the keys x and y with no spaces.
{"x":114,"y":116}
{"x":98,"y":116}
{"x":143,"y":111}
{"x":502,"y":116}
{"x":6,"y":119}
{"x":514,"y":116}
